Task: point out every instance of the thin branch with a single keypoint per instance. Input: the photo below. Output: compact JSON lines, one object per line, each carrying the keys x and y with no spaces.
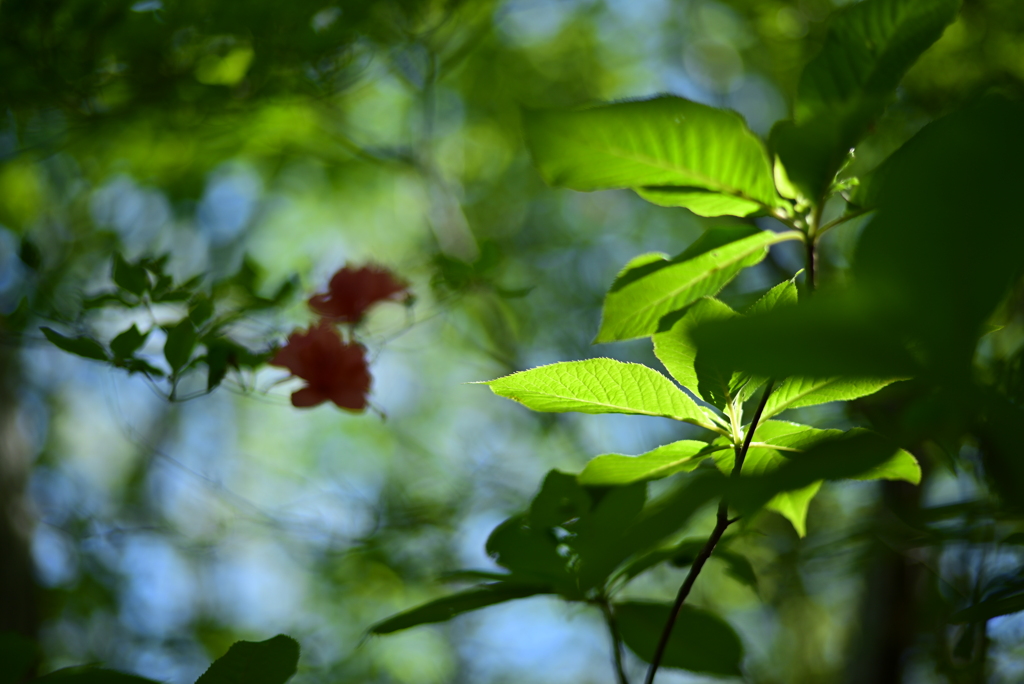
{"x":613,"y":629}
{"x":843,"y":219}
{"x":722,"y":522}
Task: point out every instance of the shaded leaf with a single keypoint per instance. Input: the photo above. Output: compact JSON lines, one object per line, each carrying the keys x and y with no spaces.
{"x":616,"y":469}
{"x":599,"y":386}
{"x":666,"y":141}
{"x":128,"y":342}
{"x":130,"y":277}
{"x":795,"y":392}
{"x":273,"y":661}
{"x":637,"y":308}
{"x":181,"y":340}
{"x":606,"y":524}
{"x":86,"y":347}
{"x":561,"y":498}
{"x":443,"y":609}
{"x":676,"y":349}
{"x":868,"y":48}
{"x":990,"y":608}
{"x":700,"y":641}
{"x":527,"y":551}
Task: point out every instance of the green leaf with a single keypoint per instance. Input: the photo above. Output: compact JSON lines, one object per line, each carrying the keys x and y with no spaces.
{"x":599,"y":386}
{"x":200,"y":310}
{"x":796,"y":392}
{"x":867,"y":49}
{"x":91,"y":675}
{"x":700,"y":202}
{"x":130,"y":277}
{"x":850,"y":338}
{"x":793,"y":505}
{"x":659,"y":519}
{"x":606,"y":524}
{"x":783,"y":294}
{"x":851,"y":455}
{"x":443,"y":609}
{"x":273,"y":661}
{"x":700,"y":641}
{"x":616,"y":469}
{"x":127,"y":342}
{"x":17,"y":654}
{"x":666,"y":141}
{"x":636,"y":309}
{"x":181,"y":340}
{"x":527,"y":551}
{"x":561,"y":498}
{"x":676,"y":349}
{"x":86,"y":347}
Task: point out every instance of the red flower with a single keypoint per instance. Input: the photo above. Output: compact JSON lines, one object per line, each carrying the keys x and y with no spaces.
{"x":334,"y":369}
{"x":353,"y":291}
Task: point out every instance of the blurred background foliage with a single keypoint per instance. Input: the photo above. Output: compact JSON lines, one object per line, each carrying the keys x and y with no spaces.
{"x":282,"y":140}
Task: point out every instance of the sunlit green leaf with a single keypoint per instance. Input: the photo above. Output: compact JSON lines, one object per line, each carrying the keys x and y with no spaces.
{"x":443,"y":609}
{"x":783,"y":294}
{"x":273,"y":661}
{"x":86,"y":347}
{"x":700,"y":641}
{"x":795,"y":392}
{"x":599,"y":386}
{"x":616,"y":469}
{"x":636,"y":308}
{"x":666,"y":141}
{"x":677,"y":351}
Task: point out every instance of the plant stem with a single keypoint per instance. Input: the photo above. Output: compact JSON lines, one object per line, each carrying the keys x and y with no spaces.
{"x":613,"y":629}
{"x":812,"y":276}
{"x":721,"y":523}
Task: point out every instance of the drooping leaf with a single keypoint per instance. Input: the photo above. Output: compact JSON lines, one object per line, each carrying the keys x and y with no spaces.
{"x":130,"y":277}
{"x":616,"y":469}
{"x":443,"y":609}
{"x":666,"y":142}
{"x":127,"y":342}
{"x":86,"y":347}
{"x":990,"y":608}
{"x":795,"y":392}
{"x":599,"y":386}
{"x":700,"y":641}
{"x":637,"y":308}
{"x":273,"y":661}
{"x":181,"y":340}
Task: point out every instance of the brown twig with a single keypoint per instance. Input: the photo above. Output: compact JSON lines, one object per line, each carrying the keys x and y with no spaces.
{"x":722,"y":522}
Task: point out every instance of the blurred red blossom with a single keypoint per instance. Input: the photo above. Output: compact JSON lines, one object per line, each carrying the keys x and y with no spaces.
{"x":334,"y":369}
{"x":352,"y":291}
